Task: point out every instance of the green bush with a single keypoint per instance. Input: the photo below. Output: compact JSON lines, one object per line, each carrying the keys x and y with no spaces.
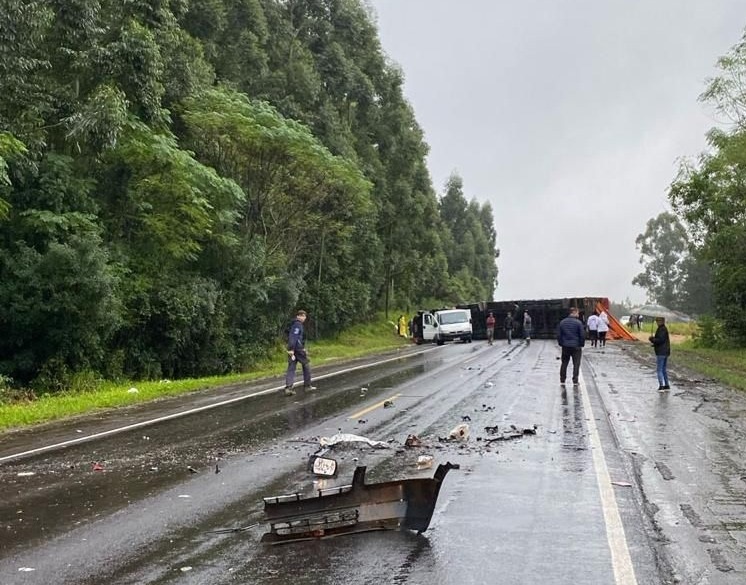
{"x":710,"y":333}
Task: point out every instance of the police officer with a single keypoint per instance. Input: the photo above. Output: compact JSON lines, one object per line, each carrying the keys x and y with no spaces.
{"x":297,"y":354}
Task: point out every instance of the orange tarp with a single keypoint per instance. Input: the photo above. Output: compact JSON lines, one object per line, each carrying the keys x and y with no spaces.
{"x":616,"y":329}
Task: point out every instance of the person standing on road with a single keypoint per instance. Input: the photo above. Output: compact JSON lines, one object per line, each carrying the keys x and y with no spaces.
{"x":527,"y":323}
{"x":402,"y":326}
{"x":297,"y":354}
{"x":603,"y":328}
{"x":509,"y":326}
{"x":593,"y":329}
{"x":571,"y":338}
{"x":662,"y":347}
{"x":490,"y":322}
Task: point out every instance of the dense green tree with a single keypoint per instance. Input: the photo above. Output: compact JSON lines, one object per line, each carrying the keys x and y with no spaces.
{"x":177,"y":176}
{"x":663,"y":250}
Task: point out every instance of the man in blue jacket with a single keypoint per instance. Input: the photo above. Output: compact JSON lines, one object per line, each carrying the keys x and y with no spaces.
{"x":297,"y":355}
{"x":571,"y":337}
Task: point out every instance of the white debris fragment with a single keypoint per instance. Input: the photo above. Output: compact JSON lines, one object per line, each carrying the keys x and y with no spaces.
{"x":185,"y":569}
{"x":25,"y":569}
{"x":78,"y":431}
{"x":132,"y":390}
{"x":25,"y":473}
{"x":185,"y":496}
{"x":460,"y":432}
{"x":350,"y":438}
{"x":425,"y":461}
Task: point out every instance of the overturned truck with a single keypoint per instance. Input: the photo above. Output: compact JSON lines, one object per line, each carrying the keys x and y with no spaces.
{"x":545,"y":316}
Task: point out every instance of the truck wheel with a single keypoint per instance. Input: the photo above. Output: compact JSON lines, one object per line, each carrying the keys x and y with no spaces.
{"x":439,"y":341}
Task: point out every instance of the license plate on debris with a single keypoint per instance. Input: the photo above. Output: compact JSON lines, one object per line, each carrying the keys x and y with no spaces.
{"x":324,"y":466}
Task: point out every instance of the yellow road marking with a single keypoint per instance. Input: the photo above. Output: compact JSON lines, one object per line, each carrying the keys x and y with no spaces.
{"x":373,"y":407}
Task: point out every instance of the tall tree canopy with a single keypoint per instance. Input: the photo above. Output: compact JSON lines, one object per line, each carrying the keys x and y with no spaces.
{"x":177,"y":175}
{"x":710,"y":194}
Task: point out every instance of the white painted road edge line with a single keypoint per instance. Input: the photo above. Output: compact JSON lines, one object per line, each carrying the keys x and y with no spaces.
{"x":624,"y":572}
{"x":174,"y":415}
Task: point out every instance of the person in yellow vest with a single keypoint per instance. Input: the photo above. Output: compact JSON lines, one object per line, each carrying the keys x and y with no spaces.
{"x":403,"y":326}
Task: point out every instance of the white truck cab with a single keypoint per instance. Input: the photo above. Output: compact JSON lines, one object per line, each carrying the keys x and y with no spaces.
{"x":445,"y":325}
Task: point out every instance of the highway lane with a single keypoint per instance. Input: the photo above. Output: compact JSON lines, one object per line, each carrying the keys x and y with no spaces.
{"x":565,"y":505}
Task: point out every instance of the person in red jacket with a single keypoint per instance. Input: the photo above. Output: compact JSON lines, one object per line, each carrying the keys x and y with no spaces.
{"x":490,"y":328}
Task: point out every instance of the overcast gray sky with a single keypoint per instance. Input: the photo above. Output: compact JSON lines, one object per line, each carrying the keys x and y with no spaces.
{"x":569,"y":116}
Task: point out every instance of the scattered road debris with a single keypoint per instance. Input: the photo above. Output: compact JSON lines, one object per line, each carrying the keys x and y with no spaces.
{"x":341,"y":438}
{"x":466,"y":418}
{"x":359,"y":507}
{"x":26,"y":569}
{"x":191,"y":470}
{"x":486,"y":408}
{"x":491,"y":430}
{"x":513,"y":432}
{"x":185,"y":569}
{"x":97,"y":467}
{"x":217,"y":469}
{"x":185,"y":496}
{"x":362,"y":421}
{"x":621,"y":483}
{"x":25,"y":473}
{"x":459,"y":432}
{"x":412,"y":441}
{"x":388,"y":404}
{"x":425,"y":461}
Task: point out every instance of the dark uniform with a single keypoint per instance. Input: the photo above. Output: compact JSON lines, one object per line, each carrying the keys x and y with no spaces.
{"x":297,"y":355}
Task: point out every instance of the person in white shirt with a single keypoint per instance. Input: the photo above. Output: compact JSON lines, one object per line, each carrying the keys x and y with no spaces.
{"x":603,"y":328}
{"x":593,"y":329}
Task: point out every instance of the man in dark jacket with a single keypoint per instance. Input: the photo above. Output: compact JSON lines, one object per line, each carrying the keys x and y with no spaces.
{"x":662,"y":347}
{"x":571,"y":337}
{"x":509,"y":326}
{"x":297,"y":355}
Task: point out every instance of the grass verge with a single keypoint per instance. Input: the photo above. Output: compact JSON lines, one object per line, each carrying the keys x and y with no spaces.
{"x":361,"y":340}
{"x":724,"y":365}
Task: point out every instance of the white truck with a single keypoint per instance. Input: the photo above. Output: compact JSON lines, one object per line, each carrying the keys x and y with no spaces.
{"x":444,"y":325}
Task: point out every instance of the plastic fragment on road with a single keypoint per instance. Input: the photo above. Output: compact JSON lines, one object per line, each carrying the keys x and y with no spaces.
{"x":388,"y":404}
{"x":412,"y":441}
{"x":185,"y":569}
{"x":26,"y":473}
{"x":344,"y":438}
{"x":97,"y":467}
{"x":621,"y":483}
{"x":425,"y":461}
{"x":26,"y":569}
{"x":406,"y":504}
{"x":185,"y":496}
{"x":459,"y":432}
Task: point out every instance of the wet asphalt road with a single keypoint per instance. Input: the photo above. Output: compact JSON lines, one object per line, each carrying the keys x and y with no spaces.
{"x":621,"y":485}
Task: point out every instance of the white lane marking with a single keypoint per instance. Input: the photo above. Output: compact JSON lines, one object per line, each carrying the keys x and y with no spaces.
{"x":624,"y":572}
{"x":174,"y":415}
